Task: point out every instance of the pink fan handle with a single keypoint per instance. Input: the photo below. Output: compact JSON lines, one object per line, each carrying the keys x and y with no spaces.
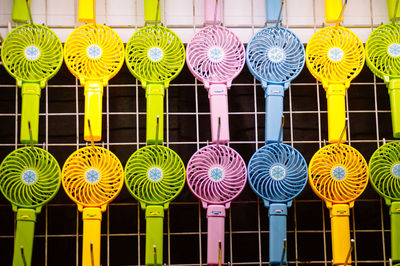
{"x":215,"y":233}
{"x":218,"y":96}
{"x":209,"y":12}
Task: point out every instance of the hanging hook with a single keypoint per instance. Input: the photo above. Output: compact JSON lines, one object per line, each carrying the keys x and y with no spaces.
{"x":281,"y":130}
{"x":157,"y":128}
{"x":30,"y":133}
{"x":218,"y":130}
{"x":90,"y":132}
{"x":219,"y":253}
{"x":91,"y":253}
{"x":155,"y":254}
{"x":215,"y":12}
{"x":341,"y":13}
{"x":349,"y":253}
{"x":343,"y":131}
{"x":283,"y":251}
{"x":158,"y":7}
{"x":280,"y":14}
{"x":395,"y":12}
{"x":23,"y":255}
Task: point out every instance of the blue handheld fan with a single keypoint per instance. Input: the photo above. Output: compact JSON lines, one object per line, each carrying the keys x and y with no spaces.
{"x":277,"y":173}
{"x":274,"y":56}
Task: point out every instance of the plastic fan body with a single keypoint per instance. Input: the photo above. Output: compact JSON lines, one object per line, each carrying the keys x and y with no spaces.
{"x":383,"y":58}
{"x":32,"y":54}
{"x":155,"y":55}
{"x":92,"y":177}
{"x":215,"y":56}
{"x":335,"y":56}
{"x":94,"y":54}
{"x":155,"y":175}
{"x":29,"y":178}
{"x":338,"y":174}
{"x":275,"y":56}
{"x":277,"y":173}
{"x":216,"y":174}
{"x":384,"y":167}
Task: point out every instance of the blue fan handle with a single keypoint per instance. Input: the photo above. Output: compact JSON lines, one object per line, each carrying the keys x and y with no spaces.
{"x":273,"y":113}
{"x":277,"y":232}
{"x":273,"y":7}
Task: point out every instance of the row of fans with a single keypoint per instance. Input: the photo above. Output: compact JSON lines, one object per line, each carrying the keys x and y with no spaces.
{"x":93,"y":176}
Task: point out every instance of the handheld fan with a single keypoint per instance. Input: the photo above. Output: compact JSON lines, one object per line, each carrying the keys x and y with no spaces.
{"x":338,"y":174}
{"x":93,"y":53}
{"x":277,"y":173}
{"x":384,"y":167}
{"x":215,"y":56}
{"x":29,"y":178}
{"x":383,"y":58}
{"x":155,"y":175}
{"x":216,"y":174}
{"x":32,"y":54}
{"x":335,"y":56}
{"x":275,"y":56}
{"x":92,"y":177}
{"x":155,"y":55}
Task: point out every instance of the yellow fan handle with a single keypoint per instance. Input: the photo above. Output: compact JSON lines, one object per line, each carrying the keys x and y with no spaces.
{"x":340,"y":231}
{"x":91,"y":236}
{"x":335,"y":95}
{"x":93,"y":109}
{"x":86,"y":11}
{"x":332,"y":10}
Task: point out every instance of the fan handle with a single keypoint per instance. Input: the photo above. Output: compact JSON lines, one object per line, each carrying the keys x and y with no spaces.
{"x":273,"y":113}
{"x":333,"y":9}
{"x":154,"y":109}
{"x":340,"y":233}
{"x":26,"y":219}
{"x":394,"y":94}
{"x":395,"y":231}
{"x":93,"y":109}
{"x":154,"y":235}
{"x":218,"y":97}
{"x":91,"y":236}
{"x":335,"y":95}
{"x":210,"y":6}
{"x":215,"y":234}
{"x":30,"y":112}
{"x":277,"y":232}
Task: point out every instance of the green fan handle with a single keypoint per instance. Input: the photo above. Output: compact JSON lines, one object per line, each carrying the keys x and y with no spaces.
{"x":30,"y":111}
{"x":151,"y":14}
{"x":154,"y":235}
{"x":20,"y":11}
{"x":93,"y":109}
{"x":394,"y":93}
{"x":395,"y":222}
{"x":23,"y":244}
{"x":155,"y":107}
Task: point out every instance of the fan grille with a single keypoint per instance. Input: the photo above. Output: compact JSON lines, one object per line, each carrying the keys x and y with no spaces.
{"x":335,"y":54}
{"x":32,"y":53}
{"x":155,"y":54}
{"x":215,"y":54}
{"x":94,"y":52}
{"x":155,"y":174}
{"x":338,"y":173}
{"x":92,"y":176}
{"x":275,"y":55}
{"x":216,"y":174}
{"x":29,"y":177}
{"x":383,"y":51}
{"x":277,"y":172}
{"x":384,"y":167}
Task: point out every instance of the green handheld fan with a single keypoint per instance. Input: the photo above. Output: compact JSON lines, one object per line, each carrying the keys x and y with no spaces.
{"x":32,"y":54}
{"x":383,"y":58}
{"x":154,"y":175}
{"x":384,"y":167}
{"x":155,"y":55}
{"x":29,"y":178}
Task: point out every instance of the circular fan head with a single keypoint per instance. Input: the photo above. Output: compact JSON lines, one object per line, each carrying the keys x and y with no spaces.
{"x":338,"y":173}
{"x":155,"y":174}
{"x":383,"y":51}
{"x":275,"y":55}
{"x":384,"y":167}
{"x":335,"y":54}
{"x":32,"y":53}
{"x":155,"y":54}
{"x":94,"y":52}
{"x":277,"y":172}
{"x":216,"y":174}
{"x":215,"y":54}
{"x":92,"y":176}
{"x":29,"y":177}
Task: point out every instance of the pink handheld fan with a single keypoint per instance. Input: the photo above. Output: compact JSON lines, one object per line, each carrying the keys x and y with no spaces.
{"x":215,"y":56}
{"x":216,"y":174}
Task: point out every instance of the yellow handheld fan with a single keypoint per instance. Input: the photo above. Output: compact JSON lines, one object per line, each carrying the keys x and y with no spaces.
{"x":92,"y":177}
{"x":338,"y":174}
{"x":93,"y":53}
{"x":335,"y":56}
